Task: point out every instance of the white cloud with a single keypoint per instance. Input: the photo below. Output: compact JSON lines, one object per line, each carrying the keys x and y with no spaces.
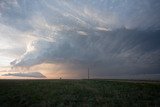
{"x":82,"y":33}
{"x":103,"y":29}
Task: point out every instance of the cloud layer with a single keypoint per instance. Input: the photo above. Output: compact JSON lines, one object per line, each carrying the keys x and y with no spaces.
{"x":112,"y":37}
{"x":29,"y":74}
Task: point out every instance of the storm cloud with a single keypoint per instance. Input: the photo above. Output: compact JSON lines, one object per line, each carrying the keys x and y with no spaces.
{"x":110,"y":36}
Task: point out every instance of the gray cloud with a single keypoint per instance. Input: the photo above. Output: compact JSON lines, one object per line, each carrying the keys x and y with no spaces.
{"x":142,"y":14}
{"x":127,"y":49}
{"x":115,"y":37}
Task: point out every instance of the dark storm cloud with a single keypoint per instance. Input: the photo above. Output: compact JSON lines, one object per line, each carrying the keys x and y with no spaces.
{"x":113,"y":36}
{"x":125,"y":49}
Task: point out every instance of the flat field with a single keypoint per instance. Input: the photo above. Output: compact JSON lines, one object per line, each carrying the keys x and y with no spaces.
{"x":79,"y":93}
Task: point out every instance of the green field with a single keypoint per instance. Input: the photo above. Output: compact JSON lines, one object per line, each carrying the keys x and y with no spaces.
{"x":79,"y":93}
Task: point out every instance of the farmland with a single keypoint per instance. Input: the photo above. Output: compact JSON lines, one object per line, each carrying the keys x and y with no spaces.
{"x":79,"y":93}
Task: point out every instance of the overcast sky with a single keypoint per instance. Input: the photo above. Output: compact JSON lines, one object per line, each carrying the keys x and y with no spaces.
{"x":62,"y":38}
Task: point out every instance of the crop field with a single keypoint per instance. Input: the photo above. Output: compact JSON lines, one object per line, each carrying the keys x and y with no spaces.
{"x":79,"y":93}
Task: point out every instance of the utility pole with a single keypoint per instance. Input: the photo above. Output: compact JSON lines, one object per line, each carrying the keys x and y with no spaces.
{"x":88,"y":72}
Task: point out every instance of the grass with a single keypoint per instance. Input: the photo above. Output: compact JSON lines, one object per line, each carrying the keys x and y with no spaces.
{"x":78,"y":93}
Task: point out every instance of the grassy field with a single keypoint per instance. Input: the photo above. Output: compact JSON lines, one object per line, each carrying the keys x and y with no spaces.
{"x":78,"y":93}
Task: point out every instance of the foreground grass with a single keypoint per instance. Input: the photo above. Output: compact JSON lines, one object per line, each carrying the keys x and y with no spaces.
{"x":78,"y":93}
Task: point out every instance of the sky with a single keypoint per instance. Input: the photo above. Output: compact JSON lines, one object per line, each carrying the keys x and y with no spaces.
{"x":63,"y":38}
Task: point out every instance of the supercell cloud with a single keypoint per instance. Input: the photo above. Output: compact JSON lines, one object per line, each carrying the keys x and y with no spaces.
{"x":113,"y":37}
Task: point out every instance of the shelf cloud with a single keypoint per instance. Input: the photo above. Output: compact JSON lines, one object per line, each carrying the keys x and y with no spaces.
{"x":26,"y":74}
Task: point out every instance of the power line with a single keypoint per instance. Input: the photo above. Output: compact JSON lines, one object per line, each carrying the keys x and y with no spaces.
{"x":88,"y":72}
